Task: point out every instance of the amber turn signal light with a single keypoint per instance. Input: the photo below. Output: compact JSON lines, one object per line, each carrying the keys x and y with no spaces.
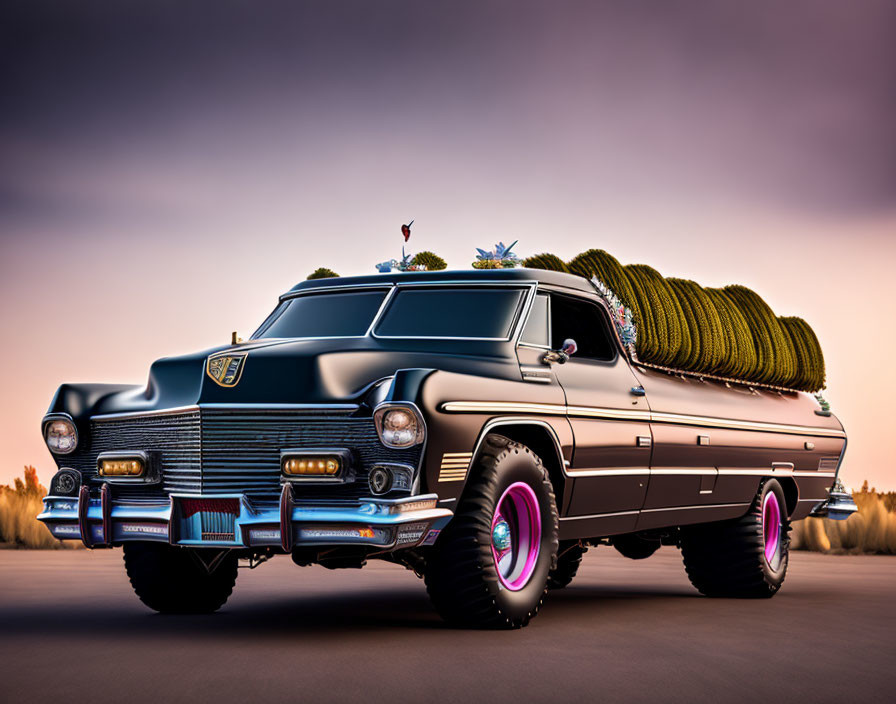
{"x":312,"y":465}
{"x":126,"y":467}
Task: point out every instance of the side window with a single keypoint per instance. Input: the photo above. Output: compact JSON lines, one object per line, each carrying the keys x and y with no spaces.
{"x":538,"y":324}
{"x":585,"y":323}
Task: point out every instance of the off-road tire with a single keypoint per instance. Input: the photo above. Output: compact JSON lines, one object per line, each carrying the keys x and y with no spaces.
{"x":635,"y":547}
{"x":727,"y":559}
{"x":171,"y":580}
{"x":461,"y":576}
{"x":569,"y":557}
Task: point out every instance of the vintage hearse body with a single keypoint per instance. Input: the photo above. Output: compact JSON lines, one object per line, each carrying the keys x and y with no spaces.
{"x":481,"y":427}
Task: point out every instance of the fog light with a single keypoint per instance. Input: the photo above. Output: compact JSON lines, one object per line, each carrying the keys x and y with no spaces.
{"x":324,"y":465}
{"x":66,"y":482}
{"x":123,"y":467}
{"x":380,"y":480}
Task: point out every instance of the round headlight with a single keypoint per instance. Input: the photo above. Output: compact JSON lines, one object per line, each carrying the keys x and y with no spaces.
{"x":400,"y":427}
{"x":61,"y":436}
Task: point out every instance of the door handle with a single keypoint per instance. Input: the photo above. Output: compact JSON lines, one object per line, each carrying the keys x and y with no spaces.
{"x":638,"y":391}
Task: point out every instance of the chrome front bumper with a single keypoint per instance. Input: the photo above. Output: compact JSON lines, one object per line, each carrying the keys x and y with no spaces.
{"x":386,"y":524}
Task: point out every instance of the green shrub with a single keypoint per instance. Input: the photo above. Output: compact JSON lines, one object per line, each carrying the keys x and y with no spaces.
{"x":322,"y":273}
{"x":703,"y":324}
{"x":739,"y":361}
{"x":549,"y":262}
{"x":774,"y":349}
{"x":728,"y":332}
{"x":810,"y":372}
{"x":432,"y":261}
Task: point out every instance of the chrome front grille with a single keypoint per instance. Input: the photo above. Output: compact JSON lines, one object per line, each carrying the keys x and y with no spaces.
{"x":231,"y":451}
{"x":241,"y":452}
{"x":173,"y":439}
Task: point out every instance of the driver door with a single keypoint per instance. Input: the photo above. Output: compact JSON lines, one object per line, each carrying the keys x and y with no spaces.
{"x":610,"y":422}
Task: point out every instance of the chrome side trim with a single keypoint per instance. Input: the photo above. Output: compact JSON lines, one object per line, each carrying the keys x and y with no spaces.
{"x":305,"y":407}
{"x":599,"y":515}
{"x":760,"y":426}
{"x":610,"y":472}
{"x":623,"y":414}
{"x":686,"y":471}
{"x":683,"y":470}
{"x":688,"y":508}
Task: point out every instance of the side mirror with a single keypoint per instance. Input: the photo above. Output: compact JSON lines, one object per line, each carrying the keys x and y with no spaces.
{"x":562,"y":355}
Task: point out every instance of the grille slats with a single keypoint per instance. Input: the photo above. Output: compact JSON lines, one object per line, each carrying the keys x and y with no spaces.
{"x":222,"y":451}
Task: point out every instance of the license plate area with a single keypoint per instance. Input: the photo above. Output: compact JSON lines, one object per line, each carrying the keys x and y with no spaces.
{"x":211,"y":520}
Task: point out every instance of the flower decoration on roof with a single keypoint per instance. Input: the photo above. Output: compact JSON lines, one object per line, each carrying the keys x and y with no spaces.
{"x":499,"y":258}
{"x":622,"y":316}
{"x":404,"y":264}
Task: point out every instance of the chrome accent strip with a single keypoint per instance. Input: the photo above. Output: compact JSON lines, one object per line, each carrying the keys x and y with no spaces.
{"x":610,"y":472}
{"x":140,"y":414}
{"x":760,"y":426}
{"x":622,"y":414}
{"x":599,"y":515}
{"x":338,"y":407}
{"x":687,"y":508}
{"x":684,"y":471}
{"x":607,"y":413}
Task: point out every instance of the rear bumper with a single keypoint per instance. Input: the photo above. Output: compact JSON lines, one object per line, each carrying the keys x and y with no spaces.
{"x":378,"y":523}
{"x":838,"y":507}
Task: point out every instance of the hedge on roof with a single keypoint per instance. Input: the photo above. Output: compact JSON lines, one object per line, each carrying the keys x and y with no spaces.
{"x":810,"y":372}
{"x":730,"y":332}
{"x":322,"y":273}
{"x":430,"y":260}
{"x":739,"y":358}
{"x":550,"y":262}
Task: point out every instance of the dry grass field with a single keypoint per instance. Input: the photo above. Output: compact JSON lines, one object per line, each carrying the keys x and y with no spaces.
{"x":871,"y":530}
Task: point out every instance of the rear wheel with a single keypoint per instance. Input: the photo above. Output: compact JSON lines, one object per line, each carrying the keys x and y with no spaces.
{"x":173,"y":580}
{"x":746,"y":557}
{"x":490,"y":566}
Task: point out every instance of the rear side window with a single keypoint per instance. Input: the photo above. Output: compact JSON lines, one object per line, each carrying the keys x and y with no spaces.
{"x":481,"y":313}
{"x":583,"y":322}
{"x":343,"y":314}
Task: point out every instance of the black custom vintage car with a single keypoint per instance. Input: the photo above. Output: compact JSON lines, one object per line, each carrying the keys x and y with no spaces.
{"x":482,"y":428}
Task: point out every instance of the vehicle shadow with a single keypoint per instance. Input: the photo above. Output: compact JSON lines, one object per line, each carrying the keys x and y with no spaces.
{"x":348,"y":612}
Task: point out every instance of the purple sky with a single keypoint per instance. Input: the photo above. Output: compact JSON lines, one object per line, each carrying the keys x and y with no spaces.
{"x":166,"y":171}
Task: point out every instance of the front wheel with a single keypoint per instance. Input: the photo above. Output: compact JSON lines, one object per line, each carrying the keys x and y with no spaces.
{"x":174,"y":580}
{"x":490,"y":566}
{"x":746,"y":557}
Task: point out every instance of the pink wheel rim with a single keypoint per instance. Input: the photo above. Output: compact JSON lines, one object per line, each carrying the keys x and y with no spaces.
{"x":516,"y":535}
{"x":771,"y":528}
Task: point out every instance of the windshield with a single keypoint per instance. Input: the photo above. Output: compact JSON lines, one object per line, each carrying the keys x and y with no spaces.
{"x":337,"y":314}
{"x":444,"y":312}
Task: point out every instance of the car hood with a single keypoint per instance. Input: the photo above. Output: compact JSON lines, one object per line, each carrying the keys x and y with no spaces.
{"x":293,"y":371}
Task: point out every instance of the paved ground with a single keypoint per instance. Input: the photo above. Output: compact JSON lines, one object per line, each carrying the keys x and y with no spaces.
{"x":71,"y":630}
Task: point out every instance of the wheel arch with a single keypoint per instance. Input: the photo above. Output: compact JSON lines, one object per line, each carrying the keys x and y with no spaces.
{"x":539,"y":436}
{"x":791,"y":492}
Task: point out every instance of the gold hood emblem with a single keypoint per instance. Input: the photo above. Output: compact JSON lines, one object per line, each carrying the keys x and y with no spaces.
{"x":225,"y":368}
